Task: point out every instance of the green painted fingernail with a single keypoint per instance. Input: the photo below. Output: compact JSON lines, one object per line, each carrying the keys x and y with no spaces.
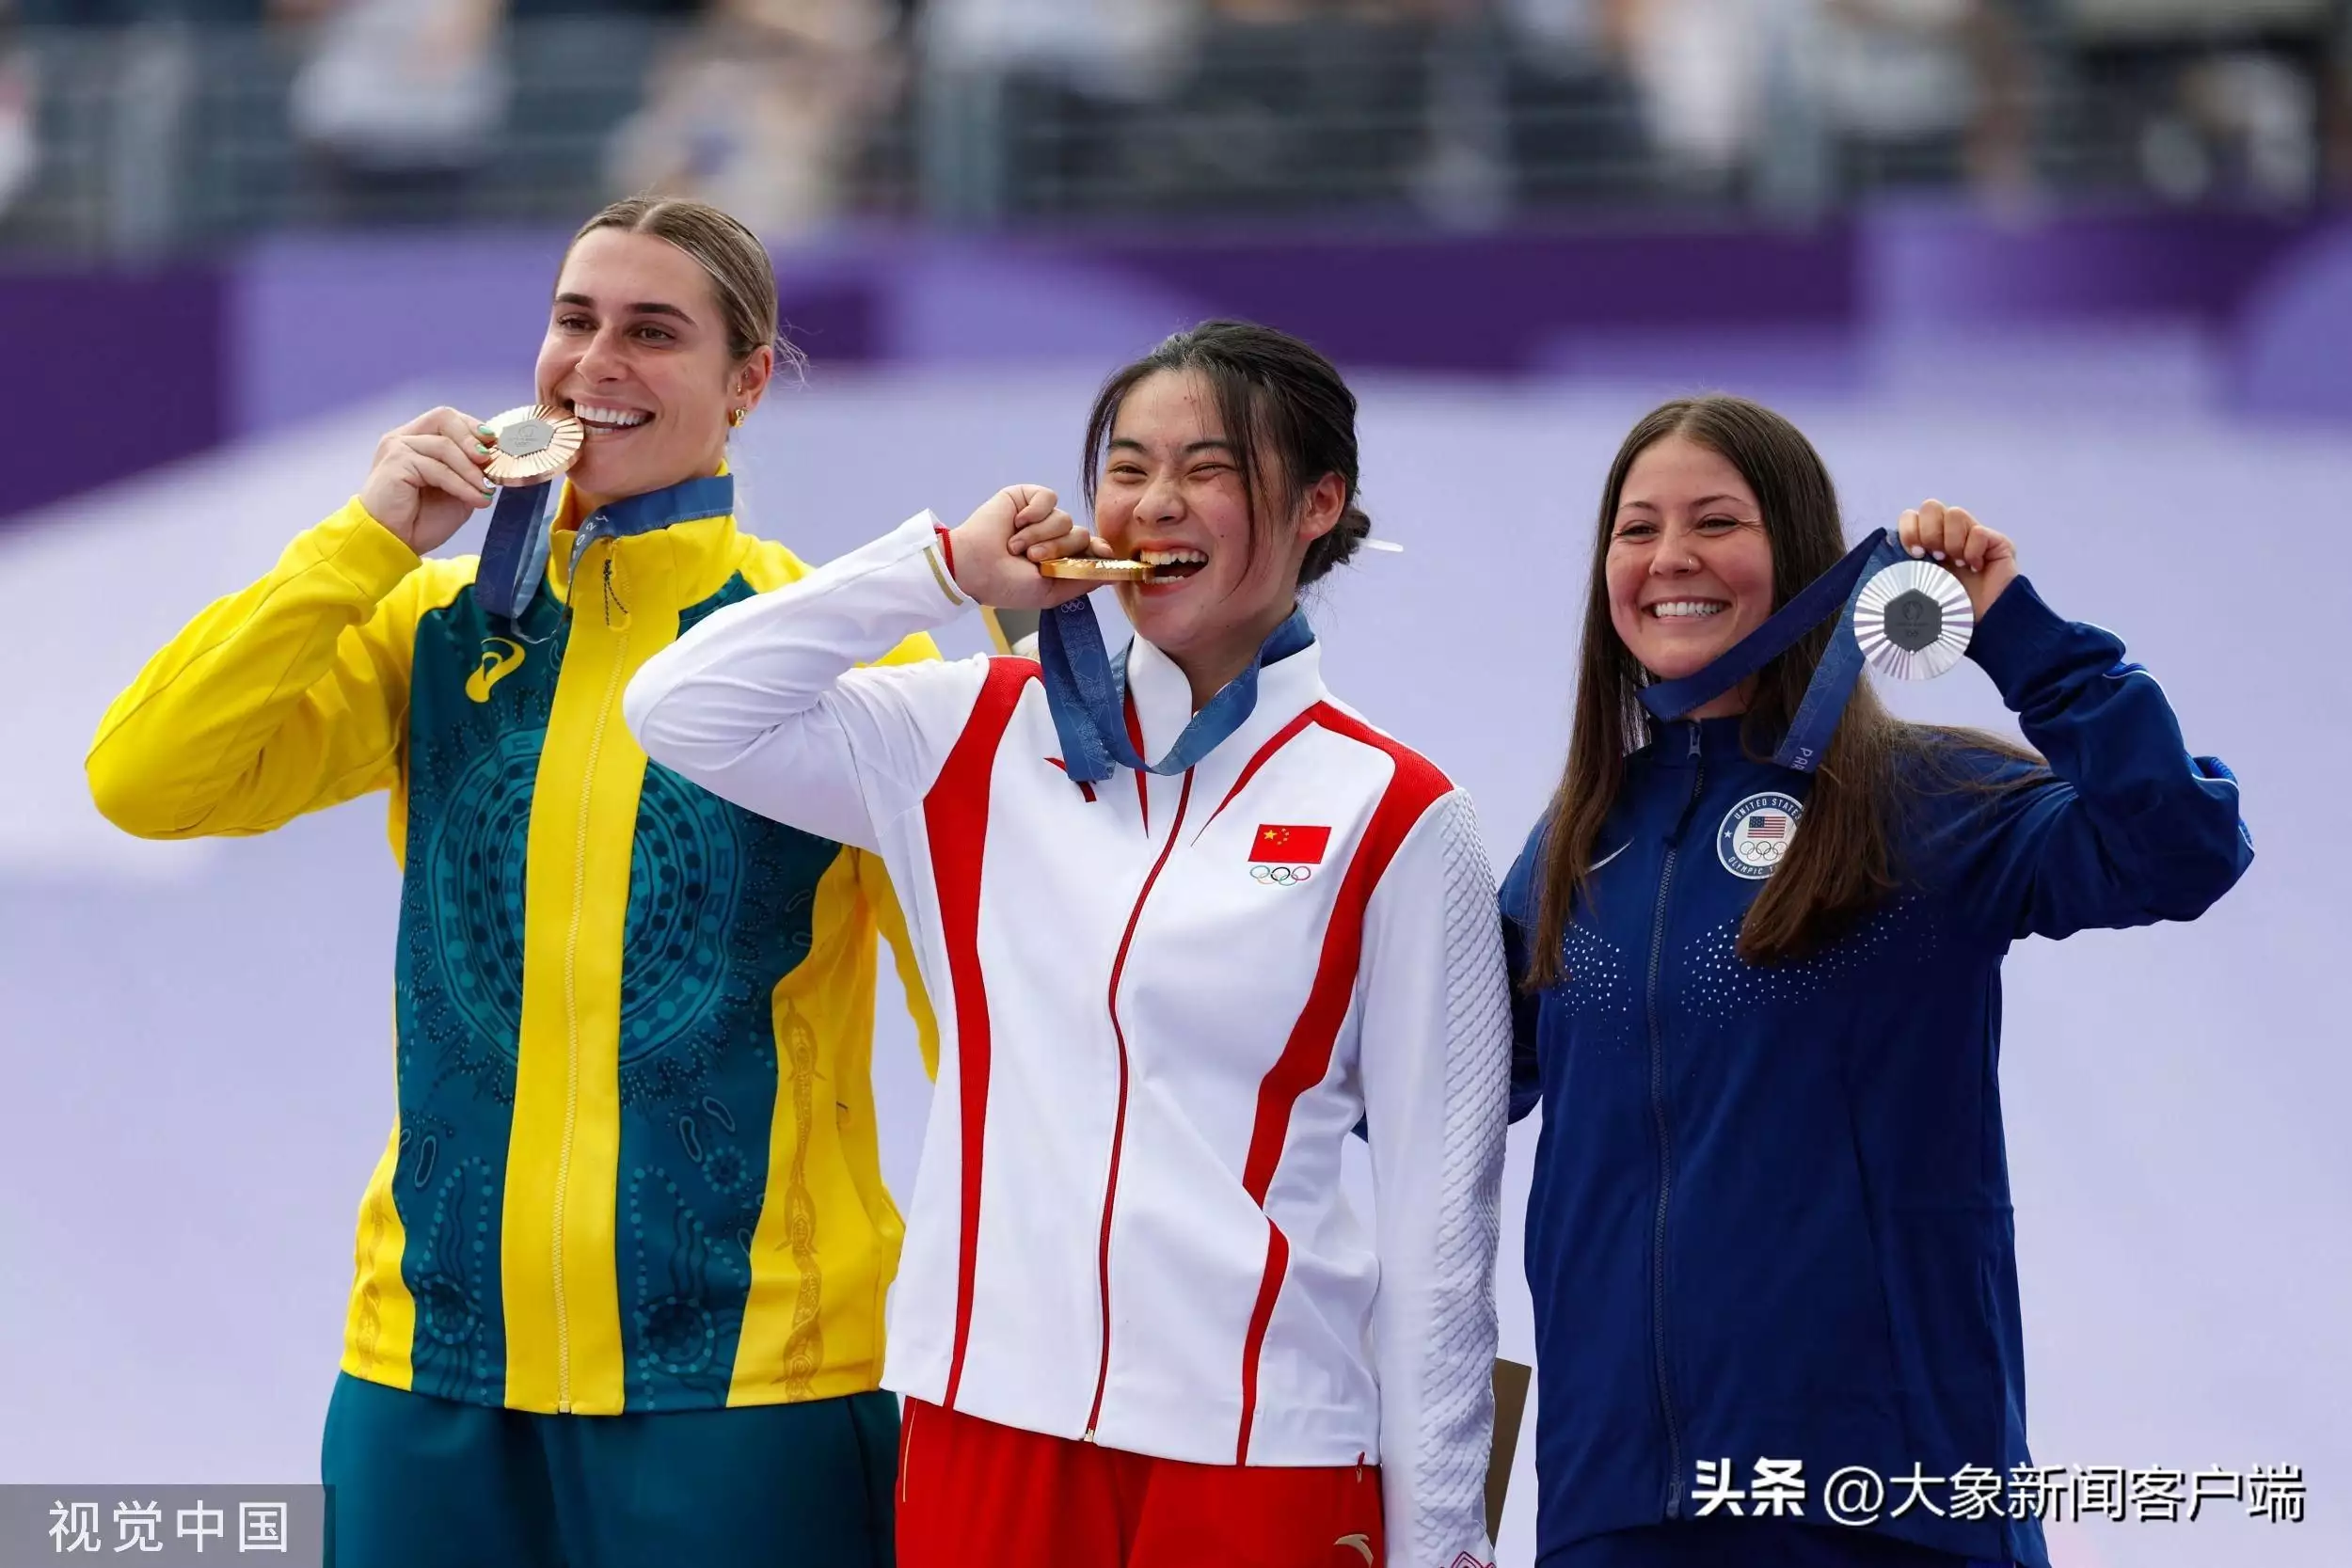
{"x":485,"y":432}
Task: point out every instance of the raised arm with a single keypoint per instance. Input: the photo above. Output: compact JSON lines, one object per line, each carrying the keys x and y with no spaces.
{"x":285,"y":697}
{"x":292,"y":694}
{"x":764,"y":703}
{"x":2130,"y":828}
{"x":2126,"y":826}
{"x":1436,"y":1058}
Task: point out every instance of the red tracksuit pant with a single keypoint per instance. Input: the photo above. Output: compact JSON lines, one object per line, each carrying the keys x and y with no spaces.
{"x":976,"y":1494}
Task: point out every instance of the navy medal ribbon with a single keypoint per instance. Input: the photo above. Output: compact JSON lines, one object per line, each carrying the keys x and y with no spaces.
{"x":515,"y":550}
{"x":1834,"y":592}
{"x":1087,"y":695}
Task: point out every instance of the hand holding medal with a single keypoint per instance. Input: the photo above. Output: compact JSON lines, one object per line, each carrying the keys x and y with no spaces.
{"x":440,"y":467}
{"x":1984,"y":561}
{"x":1905,"y":618}
{"x":429,"y":476}
{"x":1914,"y":619}
{"x":1020,"y":551}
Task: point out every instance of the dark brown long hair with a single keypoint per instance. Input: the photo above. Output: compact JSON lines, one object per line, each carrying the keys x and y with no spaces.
{"x":1843,"y":864}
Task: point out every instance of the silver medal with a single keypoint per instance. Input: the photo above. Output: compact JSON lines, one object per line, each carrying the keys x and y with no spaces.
{"x":1913,"y":620}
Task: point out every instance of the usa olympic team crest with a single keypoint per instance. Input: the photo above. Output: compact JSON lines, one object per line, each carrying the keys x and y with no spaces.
{"x":1757,"y":833}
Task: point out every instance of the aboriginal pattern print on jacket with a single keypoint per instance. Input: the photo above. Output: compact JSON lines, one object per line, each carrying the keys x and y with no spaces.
{"x":719,"y":906}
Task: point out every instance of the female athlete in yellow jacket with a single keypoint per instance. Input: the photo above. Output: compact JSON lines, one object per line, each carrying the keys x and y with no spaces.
{"x":621,"y":1267}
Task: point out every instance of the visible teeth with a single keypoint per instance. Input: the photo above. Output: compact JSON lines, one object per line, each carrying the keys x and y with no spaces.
{"x":1681,"y":609}
{"x":593,"y":415}
{"x":1172,"y":557}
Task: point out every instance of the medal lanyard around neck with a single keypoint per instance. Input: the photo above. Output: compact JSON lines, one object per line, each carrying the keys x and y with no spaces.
{"x":1833,"y":590}
{"x":1087,"y":695}
{"x":515,"y":550}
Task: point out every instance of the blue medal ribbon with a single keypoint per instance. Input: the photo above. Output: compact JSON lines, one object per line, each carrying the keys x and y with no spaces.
{"x":1834,"y":592}
{"x":1087,"y":695}
{"x":515,"y":550}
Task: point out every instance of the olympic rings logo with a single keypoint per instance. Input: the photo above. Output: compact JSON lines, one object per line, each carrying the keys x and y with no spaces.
{"x":1281,"y":876}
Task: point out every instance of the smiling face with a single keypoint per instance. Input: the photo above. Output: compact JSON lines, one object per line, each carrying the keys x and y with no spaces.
{"x":1172,"y":491}
{"x":1689,"y":569}
{"x":637,"y":349}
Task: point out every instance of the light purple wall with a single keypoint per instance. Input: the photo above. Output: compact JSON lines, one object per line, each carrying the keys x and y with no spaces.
{"x":324,"y":323}
{"x":194,"y":1072}
{"x":139,"y":368}
{"x":317,"y":324}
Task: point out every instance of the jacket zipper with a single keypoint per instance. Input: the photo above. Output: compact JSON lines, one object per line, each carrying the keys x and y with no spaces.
{"x":1119,"y":1124}
{"x":571,"y":1012}
{"x":1665,"y":1155}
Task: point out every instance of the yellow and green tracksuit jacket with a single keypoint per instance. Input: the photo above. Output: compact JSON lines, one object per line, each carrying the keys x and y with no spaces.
{"x":635,"y":1164}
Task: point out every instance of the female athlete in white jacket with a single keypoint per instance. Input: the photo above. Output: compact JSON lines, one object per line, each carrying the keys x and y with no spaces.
{"x":1139,"y":1323}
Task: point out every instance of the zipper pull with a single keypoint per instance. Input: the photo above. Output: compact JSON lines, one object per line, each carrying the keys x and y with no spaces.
{"x":1694,"y":738}
{"x":612,"y":599}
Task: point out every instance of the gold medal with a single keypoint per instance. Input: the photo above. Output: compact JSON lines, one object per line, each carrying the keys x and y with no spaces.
{"x":1093,"y":568}
{"x":536,"y":441}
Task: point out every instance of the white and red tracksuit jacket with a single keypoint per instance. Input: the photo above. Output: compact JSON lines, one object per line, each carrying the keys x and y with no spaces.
{"x":1164,"y":1004}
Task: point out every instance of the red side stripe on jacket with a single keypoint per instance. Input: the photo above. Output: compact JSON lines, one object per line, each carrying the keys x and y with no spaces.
{"x":1278,"y":1262}
{"x":955,"y":821}
{"x":1143,"y":784}
{"x":1305,"y":1056}
{"x":1282,"y":737}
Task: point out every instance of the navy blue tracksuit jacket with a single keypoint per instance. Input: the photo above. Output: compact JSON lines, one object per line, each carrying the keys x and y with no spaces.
{"x":1771,"y":1211}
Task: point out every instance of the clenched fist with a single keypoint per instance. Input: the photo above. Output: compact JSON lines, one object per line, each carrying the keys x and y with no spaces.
{"x":1985,"y":561}
{"x":428,"y":477}
{"x":996,"y":549}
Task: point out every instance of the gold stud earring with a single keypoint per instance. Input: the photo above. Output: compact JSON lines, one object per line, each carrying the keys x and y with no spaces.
{"x":738,"y":416}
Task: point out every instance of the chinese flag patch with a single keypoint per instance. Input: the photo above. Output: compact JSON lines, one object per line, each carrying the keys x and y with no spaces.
{"x":1291,"y":846}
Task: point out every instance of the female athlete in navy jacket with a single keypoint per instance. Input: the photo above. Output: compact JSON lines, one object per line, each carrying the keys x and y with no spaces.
{"x":1771,"y":1214}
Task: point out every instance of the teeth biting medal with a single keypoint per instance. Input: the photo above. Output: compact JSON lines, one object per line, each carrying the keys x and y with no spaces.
{"x":535,"y":442}
{"x":1092,"y":568}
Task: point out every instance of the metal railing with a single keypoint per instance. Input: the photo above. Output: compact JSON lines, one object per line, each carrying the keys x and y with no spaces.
{"x":167,"y":136}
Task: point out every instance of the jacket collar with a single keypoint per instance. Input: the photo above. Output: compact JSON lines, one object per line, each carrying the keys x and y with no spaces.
{"x":1683,"y":742}
{"x":1162,"y":695}
{"x":681,"y":538}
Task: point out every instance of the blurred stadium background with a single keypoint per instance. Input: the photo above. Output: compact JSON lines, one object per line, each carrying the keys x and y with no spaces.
{"x":2081,"y":264}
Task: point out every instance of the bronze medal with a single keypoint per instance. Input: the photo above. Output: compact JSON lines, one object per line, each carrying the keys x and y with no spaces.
{"x":535,"y":442}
